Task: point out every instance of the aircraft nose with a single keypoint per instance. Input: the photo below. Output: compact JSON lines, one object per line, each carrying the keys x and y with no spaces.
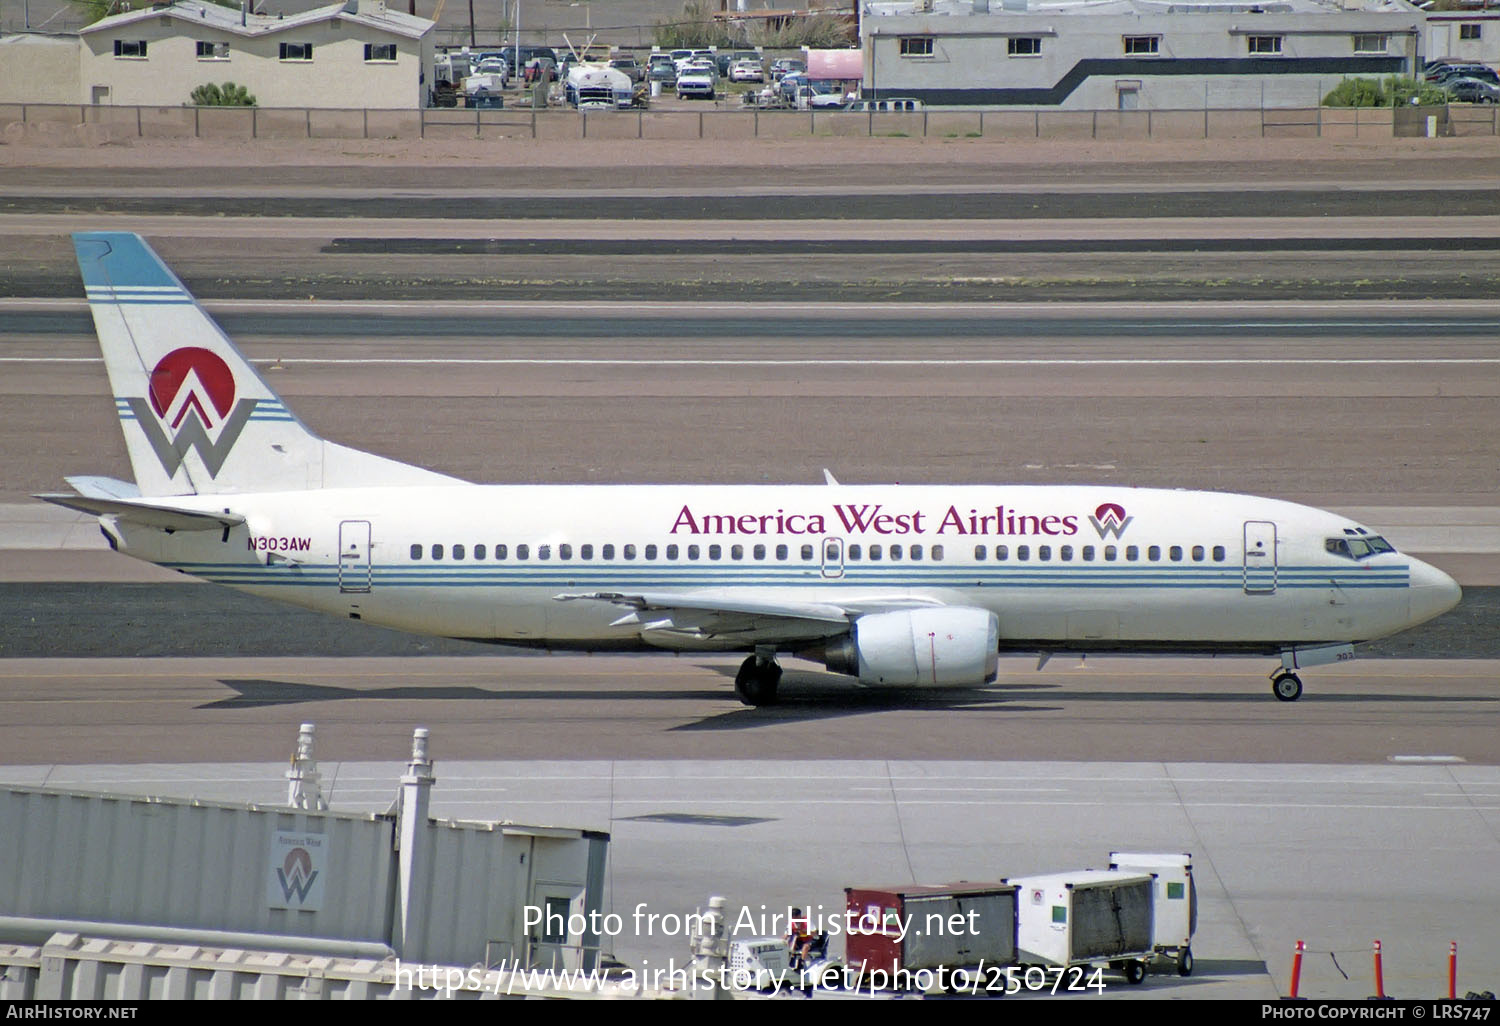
{"x":1432,"y":592}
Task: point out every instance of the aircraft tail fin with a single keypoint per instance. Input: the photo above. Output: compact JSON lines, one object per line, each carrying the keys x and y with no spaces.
{"x":198,"y":418}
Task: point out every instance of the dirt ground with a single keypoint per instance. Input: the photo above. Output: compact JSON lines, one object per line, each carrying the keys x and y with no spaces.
{"x":628,"y":163}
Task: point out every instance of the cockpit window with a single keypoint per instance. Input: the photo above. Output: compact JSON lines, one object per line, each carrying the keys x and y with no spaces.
{"x":1358,"y":546}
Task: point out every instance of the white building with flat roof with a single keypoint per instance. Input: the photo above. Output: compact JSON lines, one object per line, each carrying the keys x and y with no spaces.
{"x":1127,"y":54}
{"x":354,"y":54}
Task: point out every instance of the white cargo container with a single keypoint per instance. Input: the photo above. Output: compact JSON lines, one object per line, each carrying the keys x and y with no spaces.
{"x":1086,"y":917}
{"x":1176,"y":908}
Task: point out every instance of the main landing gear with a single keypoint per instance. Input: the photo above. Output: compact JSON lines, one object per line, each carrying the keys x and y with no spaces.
{"x":757,"y":679}
{"x":1286,"y":685}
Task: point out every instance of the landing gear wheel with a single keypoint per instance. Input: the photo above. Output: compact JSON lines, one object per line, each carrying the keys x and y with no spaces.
{"x":1287,"y":687}
{"x":1134,"y":971}
{"x":1185,"y":962}
{"x":756,"y":681}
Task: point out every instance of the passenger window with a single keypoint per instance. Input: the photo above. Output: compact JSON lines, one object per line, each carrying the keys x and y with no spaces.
{"x":1132,"y":553}
{"x":479,"y":551}
{"x":1088,"y":553}
{"x":1001,"y":553}
{"x":1175,"y":553}
{"x":523,"y":551}
{"x":629,"y":552}
{"x":895,"y":552}
{"x":693,"y":551}
{"x":544,"y":552}
{"x":937,"y":552}
{"x":1023,"y":552}
{"x":916,"y":552}
{"x":437,"y":552}
{"x":585,"y":552}
{"x":672,"y":552}
{"x":1218,"y":553}
{"x":458,"y":552}
{"x":715,"y":552}
{"x":609,"y":552}
{"x":650,"y":551}
{"x":500,"y":551}
{"x":807,"y":552}
{"x":736,"y":552}
{"x":782,"y":552}
{"x":759,"y":552}
{"x":854,"y":551}
{"x":1044,"y":552}
{"x":565,"y":551}
{"x":874,"y":552}
{"x":416,"y":551}
{"x":1066,"y":552}
{"x":1109,"y":553}
{"x":1197,"y":553}
{"x":979,"y":552}
{"x":1154,"y":553}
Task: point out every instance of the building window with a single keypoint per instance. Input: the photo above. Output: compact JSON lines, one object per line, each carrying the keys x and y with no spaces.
{"x":1136,"y":46}
{"x":916,"y":46}
{"x":1263,"y":44}
{"x":296,"y":51}
{"x":1372,"y":42}
{"x":1024,"y":46}
{"x":213,"y":51}
{"x":1469,"y":31}
{"x":380,"y":52}
{"x":135,"y":48}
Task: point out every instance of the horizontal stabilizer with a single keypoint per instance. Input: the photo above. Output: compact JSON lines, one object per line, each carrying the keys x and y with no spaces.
{"x":148,"y":514}
{"x":103,"y":487}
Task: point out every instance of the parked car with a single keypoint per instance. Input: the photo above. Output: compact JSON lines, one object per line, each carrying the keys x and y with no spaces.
{"x":783,"y":66}
{"x":695,"y":81}
{"x":1449,"y":72}
{"x":698,"y":64}
{"x":1472,"y":90}
{"x":494,"y":66}
{"x":631,"y":67}
{"x":662,"y":71}
{"x":747,"y":71}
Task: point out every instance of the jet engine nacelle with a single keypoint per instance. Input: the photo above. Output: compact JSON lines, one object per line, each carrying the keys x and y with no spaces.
{"x":945,"y":645}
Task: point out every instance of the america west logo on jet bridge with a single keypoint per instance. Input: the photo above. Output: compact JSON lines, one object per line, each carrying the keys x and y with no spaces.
{"x":191,"y":393}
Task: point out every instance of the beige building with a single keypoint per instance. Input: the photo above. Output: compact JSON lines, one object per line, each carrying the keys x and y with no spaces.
{"x":354,"y":54}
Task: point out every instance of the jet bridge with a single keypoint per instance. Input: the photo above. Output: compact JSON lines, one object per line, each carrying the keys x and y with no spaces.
{"x":300,"y":879}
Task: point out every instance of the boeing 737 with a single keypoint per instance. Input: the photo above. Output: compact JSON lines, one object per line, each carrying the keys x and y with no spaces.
{"x":895,"y":585}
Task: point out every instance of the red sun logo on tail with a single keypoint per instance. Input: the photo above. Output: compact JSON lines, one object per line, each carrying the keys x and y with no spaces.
{"x":191,"y":391}
{"x":213,"y":374}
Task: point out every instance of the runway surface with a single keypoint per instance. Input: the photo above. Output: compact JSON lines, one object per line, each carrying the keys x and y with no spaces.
{"x":578,"y":707}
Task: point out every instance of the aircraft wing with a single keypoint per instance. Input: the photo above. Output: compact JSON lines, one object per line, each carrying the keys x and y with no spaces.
{"x":728,"y":615}
{"x":151,"y":514}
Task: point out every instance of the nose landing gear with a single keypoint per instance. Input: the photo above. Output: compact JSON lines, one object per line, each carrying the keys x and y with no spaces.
{"x":1286,"y":686}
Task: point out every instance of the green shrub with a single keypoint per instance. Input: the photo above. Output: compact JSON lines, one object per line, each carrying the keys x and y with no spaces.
{"x":226,"y":95}
{"x":1393,"y":91}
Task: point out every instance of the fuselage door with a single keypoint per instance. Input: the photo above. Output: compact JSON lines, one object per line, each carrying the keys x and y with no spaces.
{"x":354,"y":555}
{"x":1260,"y":557}
{"x":833,"y":557}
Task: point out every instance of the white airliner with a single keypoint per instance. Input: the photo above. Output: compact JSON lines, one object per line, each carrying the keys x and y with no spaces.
{"x":896,"y":585}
